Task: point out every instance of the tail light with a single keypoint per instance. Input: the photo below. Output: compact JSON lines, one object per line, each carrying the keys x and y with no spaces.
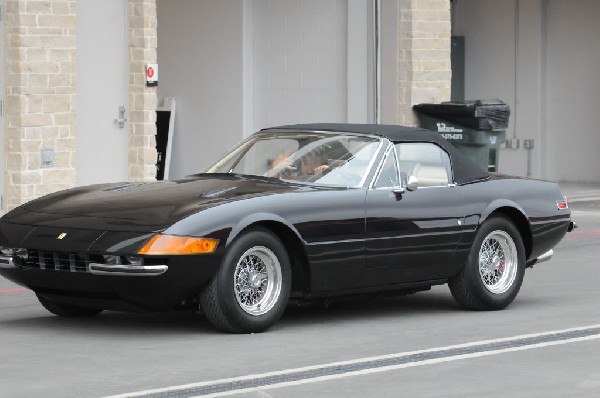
{"x":563,"y":204}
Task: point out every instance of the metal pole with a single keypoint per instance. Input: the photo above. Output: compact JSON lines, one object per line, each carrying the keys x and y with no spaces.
{"x":377,"y":38}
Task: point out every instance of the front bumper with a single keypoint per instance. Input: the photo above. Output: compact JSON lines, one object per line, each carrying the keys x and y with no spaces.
{"x":6,"y":262}
{"x":171,"y":286}
{"x":128,"y":269}
{"x":10,"y":262}
{"x":67,"y":264}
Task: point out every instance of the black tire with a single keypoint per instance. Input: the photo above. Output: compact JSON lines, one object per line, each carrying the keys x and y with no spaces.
{"x":469,"y":288}
{"x":219,"y":302}
{"x":66,"y":310}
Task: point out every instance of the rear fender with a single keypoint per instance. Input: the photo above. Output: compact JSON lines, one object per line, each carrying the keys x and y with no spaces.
{"x":515,"y":213}
{"x":497,"y":204}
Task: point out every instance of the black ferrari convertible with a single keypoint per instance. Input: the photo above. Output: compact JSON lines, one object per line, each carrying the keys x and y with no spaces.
{"x":293,"y":213}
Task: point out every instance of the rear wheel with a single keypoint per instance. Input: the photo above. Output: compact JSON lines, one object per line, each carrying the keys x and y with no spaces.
{"x":495,"y":268}
{"x":66,"y":310}
{"x":252,"y":287}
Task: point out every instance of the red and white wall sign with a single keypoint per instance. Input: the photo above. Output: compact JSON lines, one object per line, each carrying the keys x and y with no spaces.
{"x":152,"y":75}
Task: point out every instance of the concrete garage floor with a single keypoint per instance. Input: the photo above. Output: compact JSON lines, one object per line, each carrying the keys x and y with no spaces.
{"x":114,"y":353}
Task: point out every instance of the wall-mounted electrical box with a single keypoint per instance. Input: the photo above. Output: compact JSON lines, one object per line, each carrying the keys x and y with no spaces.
{"x":528,"y":144}
{"x":47,"y":157}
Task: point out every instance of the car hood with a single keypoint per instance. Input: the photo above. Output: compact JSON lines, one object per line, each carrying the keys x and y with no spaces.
{"x":144,"y":206}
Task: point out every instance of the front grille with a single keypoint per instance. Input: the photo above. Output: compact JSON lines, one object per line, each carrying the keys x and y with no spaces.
{"x":57,"y":261}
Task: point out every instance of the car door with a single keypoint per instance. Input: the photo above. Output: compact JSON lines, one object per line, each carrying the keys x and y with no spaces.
{"x":412,"y":236}
{"x":334,"y":237}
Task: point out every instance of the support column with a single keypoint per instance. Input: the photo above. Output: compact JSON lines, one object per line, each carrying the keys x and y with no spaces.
{"x":40,"y":72}
{"x":142,"y":99}
{"x":422,"y":70}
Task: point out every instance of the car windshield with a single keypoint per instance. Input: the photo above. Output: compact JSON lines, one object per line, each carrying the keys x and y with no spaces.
{"x":313,"y":158}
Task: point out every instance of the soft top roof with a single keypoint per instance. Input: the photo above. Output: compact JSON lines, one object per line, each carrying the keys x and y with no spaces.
{"x":464,"y":170}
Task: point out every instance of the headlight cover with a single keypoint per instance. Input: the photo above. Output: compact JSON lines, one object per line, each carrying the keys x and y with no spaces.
{"x":172,"y":244}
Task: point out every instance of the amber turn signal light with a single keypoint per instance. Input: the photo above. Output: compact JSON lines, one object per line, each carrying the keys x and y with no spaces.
{"x":170,"y":244}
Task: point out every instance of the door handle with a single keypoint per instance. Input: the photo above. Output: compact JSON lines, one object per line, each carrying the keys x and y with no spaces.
{"x":120,"y":122}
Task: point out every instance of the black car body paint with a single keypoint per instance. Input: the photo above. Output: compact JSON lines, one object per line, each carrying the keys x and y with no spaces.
{"x":346,"y":240}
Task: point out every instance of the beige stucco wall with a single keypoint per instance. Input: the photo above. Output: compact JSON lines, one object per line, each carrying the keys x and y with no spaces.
{"x":40,"y":71}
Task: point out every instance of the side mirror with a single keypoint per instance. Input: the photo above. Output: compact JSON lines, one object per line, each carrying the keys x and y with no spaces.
{"x":412,"y":184}
{"x":398,"y":190}
{"x":408,"y":184}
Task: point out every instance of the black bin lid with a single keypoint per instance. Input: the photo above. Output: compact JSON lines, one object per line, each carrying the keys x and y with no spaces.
{"x":491,"y":114}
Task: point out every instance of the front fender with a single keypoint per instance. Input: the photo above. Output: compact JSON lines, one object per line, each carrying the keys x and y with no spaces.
{"x":257,"y":218}
{"x":227,"y":221}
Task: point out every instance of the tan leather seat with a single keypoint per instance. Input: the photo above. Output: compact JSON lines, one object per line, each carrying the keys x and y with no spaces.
{"x":431,"y":175}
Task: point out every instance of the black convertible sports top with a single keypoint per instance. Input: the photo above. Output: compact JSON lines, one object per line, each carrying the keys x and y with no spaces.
{"x":464,"y":170}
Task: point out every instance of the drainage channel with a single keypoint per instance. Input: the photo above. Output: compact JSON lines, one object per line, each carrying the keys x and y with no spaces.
{"x":361,"y":366}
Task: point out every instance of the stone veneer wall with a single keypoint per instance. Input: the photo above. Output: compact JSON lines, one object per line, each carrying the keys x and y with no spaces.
{"x":424,"y":68}
{"x":142,"y":99}
{"x":40,"y":74}
{"x":40,"y":97}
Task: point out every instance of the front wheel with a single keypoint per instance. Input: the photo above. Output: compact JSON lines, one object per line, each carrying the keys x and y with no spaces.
{"x":66,"y":310}
{"x":495,"y":268}
{"x":251,"y":289}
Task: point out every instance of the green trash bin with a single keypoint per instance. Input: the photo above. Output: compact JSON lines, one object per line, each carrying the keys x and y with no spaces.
{"x":476,"y":128}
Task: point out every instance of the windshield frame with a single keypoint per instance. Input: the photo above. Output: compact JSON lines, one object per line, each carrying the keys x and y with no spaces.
{"x":368,"y":174}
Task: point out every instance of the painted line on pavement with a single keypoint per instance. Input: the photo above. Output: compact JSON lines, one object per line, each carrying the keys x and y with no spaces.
{"x":13,"y":290}
{"x":364,"y":366}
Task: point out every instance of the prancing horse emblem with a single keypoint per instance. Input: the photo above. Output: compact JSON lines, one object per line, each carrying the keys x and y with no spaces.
{"x":62,"y":236}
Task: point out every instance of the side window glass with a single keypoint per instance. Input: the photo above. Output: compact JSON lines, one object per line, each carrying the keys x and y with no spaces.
{"x":428,"y":162}
{"x":388,"y":175}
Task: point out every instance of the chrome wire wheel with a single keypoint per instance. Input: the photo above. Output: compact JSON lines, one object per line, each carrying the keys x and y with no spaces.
{"x":498,"y":262}
{"x":257,"y":280}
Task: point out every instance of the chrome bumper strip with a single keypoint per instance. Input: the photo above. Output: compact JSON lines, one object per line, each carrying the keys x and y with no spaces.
{"x":6,"y":262}
{"x":127,"y":269}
